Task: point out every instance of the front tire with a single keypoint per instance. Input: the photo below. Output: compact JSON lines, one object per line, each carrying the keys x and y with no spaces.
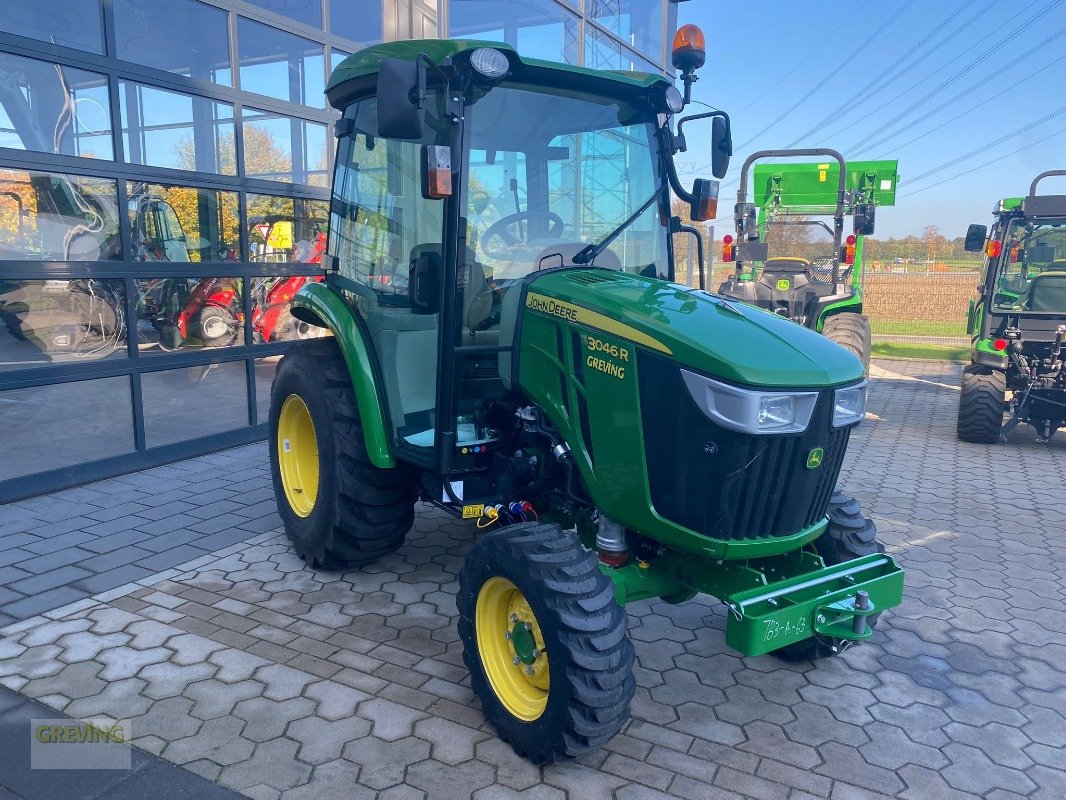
{"x":981,"y":404}
{"x":849,"y":535}
{"x":338,"y":508}
{"x":852,"y":332}
{"x":545,"y":642}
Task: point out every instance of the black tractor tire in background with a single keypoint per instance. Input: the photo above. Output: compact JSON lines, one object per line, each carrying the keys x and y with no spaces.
{"x":361,"y":512}
{"x":852,"y":332}
{"x":585,"y":640}
{"x":222,"y":323}
{"x":981,"y":405}
{"x":849,"y":535}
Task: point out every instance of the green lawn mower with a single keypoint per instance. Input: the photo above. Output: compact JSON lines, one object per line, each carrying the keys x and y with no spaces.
{"x":791,"y":255}
{"x":613,"y":435}
{"x":1018,"y":321}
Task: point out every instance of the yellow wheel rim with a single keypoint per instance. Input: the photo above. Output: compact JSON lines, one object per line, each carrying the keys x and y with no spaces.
{"x":512,"y":650}
{"x":298,"y":455}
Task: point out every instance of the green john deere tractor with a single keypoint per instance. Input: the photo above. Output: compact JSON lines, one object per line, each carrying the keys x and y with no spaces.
{"x":509,"y":346}
{"x":1018,"y":321}
{"x":790,"y":254}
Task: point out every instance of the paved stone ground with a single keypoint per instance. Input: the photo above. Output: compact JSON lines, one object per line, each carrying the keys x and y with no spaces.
{"x":247,"y":668}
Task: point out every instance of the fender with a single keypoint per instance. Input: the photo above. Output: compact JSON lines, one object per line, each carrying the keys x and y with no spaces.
{"x":320,"y":304}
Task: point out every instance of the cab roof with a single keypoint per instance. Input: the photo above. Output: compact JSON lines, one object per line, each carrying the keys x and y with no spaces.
{"x":363,"y":65}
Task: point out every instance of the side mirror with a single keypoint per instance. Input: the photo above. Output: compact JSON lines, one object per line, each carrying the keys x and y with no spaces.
{"x":975,"y":238}
{"x":401,"y":85}
{"x":864,"y":219}
{"x":423,"y":289}
{"x":721,"y":146}
{"x":704,"y":200}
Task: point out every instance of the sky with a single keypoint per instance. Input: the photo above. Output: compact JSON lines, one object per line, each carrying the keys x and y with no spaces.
{"x":927,"y":82}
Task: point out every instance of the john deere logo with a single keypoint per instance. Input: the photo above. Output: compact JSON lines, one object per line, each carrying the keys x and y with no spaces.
{"x":783,"y":285}
{"x":815,"y":457}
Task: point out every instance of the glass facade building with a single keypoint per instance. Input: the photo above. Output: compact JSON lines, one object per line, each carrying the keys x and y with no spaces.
{"x":164,"y":178}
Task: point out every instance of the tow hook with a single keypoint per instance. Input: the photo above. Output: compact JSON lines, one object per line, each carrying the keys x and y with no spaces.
{"x":862,"y":603}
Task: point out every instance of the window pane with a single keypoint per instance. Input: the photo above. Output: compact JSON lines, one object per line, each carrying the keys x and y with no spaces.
{"x":359,"y":21}
{"x":177,"y":131}
{"x":283,"y":229}
{"x":54,"y":109}
{"x":309,"y":12}
{"x":639,"y":23}
{"x":180,"y":223}
{"x":48,"y":427}
{"x":603,"y":52}
{"x":60,"y":322}
{"x":47,"y":216}
{"x":195,"y":44}
{"x":189,"y":313}
{"x":280,"y":148}
{"x":336,"y":57}
{"x":72,"y":23}
{"x":188,"y":403}
{"x":280,"y":65}
{"x":271,"y":305}
{"x":264,"y":377}
{"x":536,"y":28}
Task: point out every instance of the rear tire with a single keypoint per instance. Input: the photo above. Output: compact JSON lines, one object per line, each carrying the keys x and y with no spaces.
{"x":849,"y":535}
{"x":338,"y":508}
{"x":571,"y":694}
{"x":852,"y":332}
{"x":981,"y":405}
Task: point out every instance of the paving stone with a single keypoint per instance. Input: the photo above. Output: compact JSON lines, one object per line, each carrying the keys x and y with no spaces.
{"x":391,"y":720}
{"x":384,"y":762}
{"x":336,"y":780}
{"x":335,"y":700}
{"x":267,"y":719}
{"x":452,"y":744}
{"x":218,"y":741}
{"x":321,"y":740}
{"x":450,"y":782}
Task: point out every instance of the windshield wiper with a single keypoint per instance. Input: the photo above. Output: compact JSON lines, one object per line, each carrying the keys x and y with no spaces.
{"x":588,"y":254}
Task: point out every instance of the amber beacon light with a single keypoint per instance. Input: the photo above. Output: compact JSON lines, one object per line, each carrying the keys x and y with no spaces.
{"x":690,"y":49}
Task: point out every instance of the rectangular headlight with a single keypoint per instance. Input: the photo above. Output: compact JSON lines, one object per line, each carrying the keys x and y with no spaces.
{"x":751,"y":410}
{"x":849,"y":405}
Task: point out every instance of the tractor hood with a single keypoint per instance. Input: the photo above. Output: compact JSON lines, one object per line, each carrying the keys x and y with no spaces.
{"x":729,"y":340}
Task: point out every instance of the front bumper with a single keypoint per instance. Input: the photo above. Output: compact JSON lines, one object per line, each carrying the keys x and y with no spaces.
{"x":820,"y":603}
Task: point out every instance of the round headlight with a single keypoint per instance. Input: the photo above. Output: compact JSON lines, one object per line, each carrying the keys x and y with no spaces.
{"x":674,"y":101}
{"x":489,"y":62}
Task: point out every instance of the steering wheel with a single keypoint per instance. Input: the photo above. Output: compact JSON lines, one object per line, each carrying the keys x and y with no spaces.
{"x":499,"y":231}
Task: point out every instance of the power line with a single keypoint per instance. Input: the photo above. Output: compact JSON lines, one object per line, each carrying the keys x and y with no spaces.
{"x":985,"y":147}
{"x":982,"y":83}
{"x":851,"y":101}
{"x":810,"y":54}
{"x":996,"y":46}
{"x":986,"y":164}
{"x":984,"y":103}
{"x":833,"y":73}
{"x":933,"y":49}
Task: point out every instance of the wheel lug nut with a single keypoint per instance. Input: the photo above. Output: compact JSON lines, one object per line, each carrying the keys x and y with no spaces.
{"x":529,"y":670}
{"x":536,"y":652}
{"x":516,"y":661}
{"x":528,"y":627}
{"x":507,"y":635}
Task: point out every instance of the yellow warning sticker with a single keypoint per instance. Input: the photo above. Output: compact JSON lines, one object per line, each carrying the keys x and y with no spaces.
{"x":473,"y":512}
{"x":822,"y":175}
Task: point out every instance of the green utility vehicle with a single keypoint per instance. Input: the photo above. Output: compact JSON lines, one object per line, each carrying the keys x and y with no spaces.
{"x":1018,"y":321}
{"x":789,"y":254}
{"x":615,"y":436}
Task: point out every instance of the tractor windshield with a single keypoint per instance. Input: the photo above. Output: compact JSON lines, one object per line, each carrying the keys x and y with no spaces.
{"x":1032,"y":267}
{"x":796,"y":237}
{"x":549,"y":174}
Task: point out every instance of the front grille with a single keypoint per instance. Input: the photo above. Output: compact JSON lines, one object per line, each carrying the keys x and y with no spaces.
{"x":730,"y":485}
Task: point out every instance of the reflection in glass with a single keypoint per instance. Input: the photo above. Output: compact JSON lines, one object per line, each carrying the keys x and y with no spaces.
{"x":272,"y":320}
{"x":189,"y":313}
{"x":280,"y":65}
{"x":281,"y":148}
{"x":182,"y":223}
{"x":264,"y":377}
{"x":193,"y":402}
{"x":60,"y":321}
{"x":283,"y":229}
{"x":177,"y":131}
{"x":536,"y":28}
{"x":195,"y":44}
{"x":48,"y":427}
{"x":71,"y":23}
{"x":363,"y":25}
{"x":639,"y":23}
{"x":336,"y":57}
{"x":47,"y":216}
{"x":603,"y":52}
{"x":53,"y":109}
{"x":309,"y":12}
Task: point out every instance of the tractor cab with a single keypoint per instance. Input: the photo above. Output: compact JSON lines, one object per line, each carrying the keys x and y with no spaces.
{"x":1019,"y":318}
{"x":791,"y":254}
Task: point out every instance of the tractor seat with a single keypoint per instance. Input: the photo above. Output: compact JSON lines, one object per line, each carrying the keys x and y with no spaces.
{"x":1047,"y":291}
{"x":787,"y":265}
